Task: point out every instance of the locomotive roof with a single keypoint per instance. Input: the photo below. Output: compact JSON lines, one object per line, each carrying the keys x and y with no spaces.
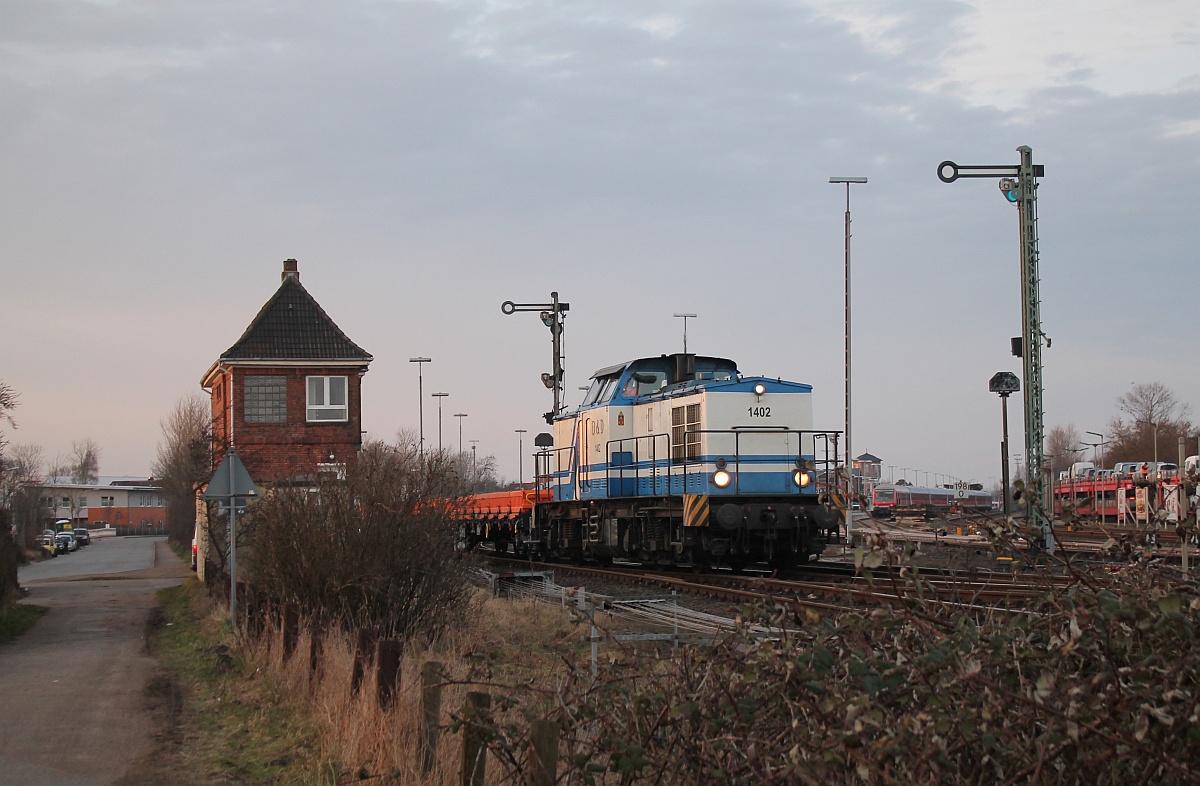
{"x":667,"y":376}
{"x":703,"y":363}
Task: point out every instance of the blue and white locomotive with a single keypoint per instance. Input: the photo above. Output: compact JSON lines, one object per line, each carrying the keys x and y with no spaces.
{"x":679,"y":459}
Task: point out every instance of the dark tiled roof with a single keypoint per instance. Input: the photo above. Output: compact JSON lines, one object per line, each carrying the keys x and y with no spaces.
{"x":292,"y":326}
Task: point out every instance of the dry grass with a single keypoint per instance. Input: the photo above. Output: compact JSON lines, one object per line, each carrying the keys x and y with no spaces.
{"x":218,"y":719}
{"x":508,"y":643}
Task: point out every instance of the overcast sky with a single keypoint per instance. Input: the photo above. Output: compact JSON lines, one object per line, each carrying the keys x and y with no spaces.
{"x":425,"y":161}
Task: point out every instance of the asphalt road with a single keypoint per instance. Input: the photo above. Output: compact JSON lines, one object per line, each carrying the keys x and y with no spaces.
{"x":105,"y":555}
{"x":73,"y":710}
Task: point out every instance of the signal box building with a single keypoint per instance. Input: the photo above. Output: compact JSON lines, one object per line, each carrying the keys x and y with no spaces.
{"x":287,"y":395}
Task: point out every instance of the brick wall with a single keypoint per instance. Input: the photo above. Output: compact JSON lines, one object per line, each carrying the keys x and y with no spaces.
{"x":281,"y":451}
{"x":126,"y":517}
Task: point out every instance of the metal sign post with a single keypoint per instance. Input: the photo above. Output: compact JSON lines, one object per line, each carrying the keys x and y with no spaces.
{"x":1005,"y":383}
{"x":230,"y":482}
{"x":1019,"y":185}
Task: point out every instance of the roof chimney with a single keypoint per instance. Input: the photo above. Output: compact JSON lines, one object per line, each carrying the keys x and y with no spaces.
{"x":290,"y":271}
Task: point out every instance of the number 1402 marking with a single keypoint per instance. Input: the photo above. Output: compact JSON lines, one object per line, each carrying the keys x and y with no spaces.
{"x":759,"y":412}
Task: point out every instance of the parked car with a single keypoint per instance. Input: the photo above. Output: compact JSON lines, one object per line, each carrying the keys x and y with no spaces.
{"x":82,"y":535}
{"x":49,"y":546}
{"x":66,"y":542}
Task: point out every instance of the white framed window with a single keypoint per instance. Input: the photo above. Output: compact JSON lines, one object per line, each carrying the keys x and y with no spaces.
{"x":83,"y":502}
{"x":327,"y":399}
{"x":106,"y":502}
{"x":331,"y":470}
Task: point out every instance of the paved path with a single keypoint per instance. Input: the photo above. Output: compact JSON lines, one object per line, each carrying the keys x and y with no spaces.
{"x":72,"y":705}
{"x":105,"y":555}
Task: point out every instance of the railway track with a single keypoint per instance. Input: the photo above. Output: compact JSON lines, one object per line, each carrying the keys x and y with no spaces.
{"x":832,"y":588}
{"x":1075,"y":538}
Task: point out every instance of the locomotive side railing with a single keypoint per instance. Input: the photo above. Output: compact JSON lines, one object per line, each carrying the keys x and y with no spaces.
{"x":651,"y":458}
{"x":633,"y":459}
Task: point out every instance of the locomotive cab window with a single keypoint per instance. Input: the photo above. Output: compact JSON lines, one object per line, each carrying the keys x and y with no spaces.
{"x":641,"y":383}
{"x":602,"y":390}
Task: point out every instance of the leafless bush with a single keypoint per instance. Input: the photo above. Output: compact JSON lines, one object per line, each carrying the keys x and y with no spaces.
{"x":1095,"y":682}
{"x":376,"y":551}
{"x":183,"y":461}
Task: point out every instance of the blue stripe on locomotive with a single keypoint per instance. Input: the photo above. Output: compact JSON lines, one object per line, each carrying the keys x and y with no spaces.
{"x":691,"y":482}
{"x":621,"y":476}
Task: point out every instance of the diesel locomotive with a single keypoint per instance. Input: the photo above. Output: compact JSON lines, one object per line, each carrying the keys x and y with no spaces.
{"x":675,"y":460}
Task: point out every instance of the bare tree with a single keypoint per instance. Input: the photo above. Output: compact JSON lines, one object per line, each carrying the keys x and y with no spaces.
{"x":184,"y":459}
{"x":8,"y":402}
{"x":1153,"y":402}
{"x":85,"y":461}
{"x":1156,"y":419}
{"x":1062,"y":447}
{"x":23,"y":492}
{"x":9,"y":553}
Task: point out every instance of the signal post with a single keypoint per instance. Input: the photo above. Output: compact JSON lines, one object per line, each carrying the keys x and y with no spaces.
{"x":1019,"y":185}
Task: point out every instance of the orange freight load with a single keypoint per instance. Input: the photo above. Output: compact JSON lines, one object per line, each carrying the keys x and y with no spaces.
{"x":499,"y":517}
{"x":503,"y":503}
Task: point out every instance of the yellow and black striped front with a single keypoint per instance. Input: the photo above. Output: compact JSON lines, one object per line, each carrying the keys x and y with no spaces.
{"x":695,"y":510}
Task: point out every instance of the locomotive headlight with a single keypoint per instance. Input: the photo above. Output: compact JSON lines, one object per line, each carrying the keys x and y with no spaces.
{"x":721,"y":478}
{"x":801,"y":478}
{"x":759,"y":389}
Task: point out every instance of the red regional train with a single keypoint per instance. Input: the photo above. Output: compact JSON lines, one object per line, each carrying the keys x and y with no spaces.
{"x":888,"y":501}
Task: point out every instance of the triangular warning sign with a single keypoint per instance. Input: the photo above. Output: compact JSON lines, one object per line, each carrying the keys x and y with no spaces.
{"x":230,"y":480}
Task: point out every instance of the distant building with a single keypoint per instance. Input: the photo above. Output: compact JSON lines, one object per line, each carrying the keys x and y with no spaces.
{"x":120,"y":502}
{"x":865,"y":472}
{"x":287,"y":394}
{"x":868,"y":467}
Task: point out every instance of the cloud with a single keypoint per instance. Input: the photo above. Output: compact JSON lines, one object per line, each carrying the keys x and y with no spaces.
{"x":1001,"y":54}
{"x":426,"y":160}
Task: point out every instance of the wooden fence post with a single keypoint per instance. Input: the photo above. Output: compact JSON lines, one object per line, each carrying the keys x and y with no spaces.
{"x":268,"y":621}
{"x":543,"y":753}
{"x":429,"y":714}
{"x":364,"y":650}
{"x":252,"y":611}
{"x":387,"y":671}
{"x":474,"y":743}
{"x":315,"y":648}
{"x":291,"y":629}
